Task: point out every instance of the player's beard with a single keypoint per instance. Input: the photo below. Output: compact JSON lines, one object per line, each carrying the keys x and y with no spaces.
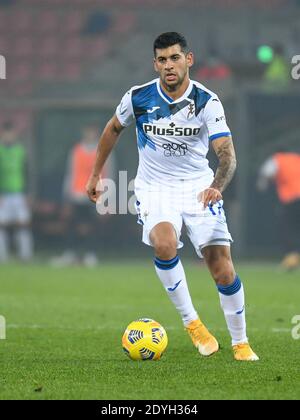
{"x":173,"y":86}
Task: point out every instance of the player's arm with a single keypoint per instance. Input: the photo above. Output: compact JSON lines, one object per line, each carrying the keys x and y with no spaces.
{"x":225,"y":152}
{"x":106,"y":144}
{"x":221,"y":141}
{"x":227,"y":163}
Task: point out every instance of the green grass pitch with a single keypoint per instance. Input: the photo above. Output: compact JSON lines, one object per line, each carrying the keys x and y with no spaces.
{"x":64,"y":329}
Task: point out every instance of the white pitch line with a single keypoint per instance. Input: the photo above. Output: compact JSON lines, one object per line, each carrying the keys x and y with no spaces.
{"x":281,"y":330}
{"x":106,"y":327}
{"x":57,"y":327}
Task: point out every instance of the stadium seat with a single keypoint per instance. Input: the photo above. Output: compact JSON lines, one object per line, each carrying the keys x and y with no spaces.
{"x":124,"y":23}
{"x":23,"y":89}
{"x":95,"y":47}
{"x":47,"y":22}
{"x":23,"y":22}
{"x":73,"y":47}
{"x":47,"y":71}
{"x":48,"y":47}
{"x":5,"y":44}
{"x":23,"y":47}
{"x":71,"y":71}
{"x":73,"y":22}
{"x":21,"y":70}
{"x":4,"y":22}
{"x":98,"y":22}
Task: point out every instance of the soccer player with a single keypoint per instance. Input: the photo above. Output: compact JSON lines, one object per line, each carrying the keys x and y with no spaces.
{"x":176,"y":120}
{"x":283,"y":168}
{"x":77,"y":211}
{"x":14,"y":209}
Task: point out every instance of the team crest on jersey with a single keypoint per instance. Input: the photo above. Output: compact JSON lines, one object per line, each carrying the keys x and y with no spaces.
{"x":191,"y":110}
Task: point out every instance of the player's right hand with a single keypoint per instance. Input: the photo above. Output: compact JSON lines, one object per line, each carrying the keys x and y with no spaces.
{"x":92,"y":188}
{"x":209,"y":196}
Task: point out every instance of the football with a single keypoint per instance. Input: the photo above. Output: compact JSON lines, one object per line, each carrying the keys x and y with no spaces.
{"x":144,"y":339}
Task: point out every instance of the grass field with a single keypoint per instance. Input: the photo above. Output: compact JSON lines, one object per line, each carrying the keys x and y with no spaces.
{"x":64,"y":329}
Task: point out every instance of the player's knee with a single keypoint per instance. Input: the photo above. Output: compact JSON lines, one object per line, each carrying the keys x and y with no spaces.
{"x":220,"y":265}
{"x":166,"y":249}
{"x":223,"y":276}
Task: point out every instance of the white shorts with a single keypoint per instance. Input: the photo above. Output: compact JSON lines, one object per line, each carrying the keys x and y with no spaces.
{"x":177,"y":205}
{"x":14,"y":209}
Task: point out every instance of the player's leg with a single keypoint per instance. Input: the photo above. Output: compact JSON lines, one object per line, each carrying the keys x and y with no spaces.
{"x":68,"y":257}
{"x":23,"y":233}
{"x":232,"y":298}
{"x":170,"y":271}
{"x":24,"y":241}
{"x":4,"y":223}
{"x":290,"y":233}
{"x":4,"y":248}
{"x":86,"y":226}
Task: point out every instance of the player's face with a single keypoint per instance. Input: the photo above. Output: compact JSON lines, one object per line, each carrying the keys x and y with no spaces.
{"x":9,"y":137}
{"x":173,"y":65}
{"x":90,"y":135}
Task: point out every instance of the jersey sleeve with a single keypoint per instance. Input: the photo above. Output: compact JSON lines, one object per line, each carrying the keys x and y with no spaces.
{"x":124,"y":111}
{"x":215,"y":120}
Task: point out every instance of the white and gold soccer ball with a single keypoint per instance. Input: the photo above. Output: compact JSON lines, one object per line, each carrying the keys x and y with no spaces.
{"x":144,"y":339}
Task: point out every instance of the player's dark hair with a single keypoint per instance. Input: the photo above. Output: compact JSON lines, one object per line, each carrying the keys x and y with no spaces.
{"x":168,"y":39}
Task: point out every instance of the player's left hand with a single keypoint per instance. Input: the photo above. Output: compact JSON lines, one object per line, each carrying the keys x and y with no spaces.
{"x":209,"y":196}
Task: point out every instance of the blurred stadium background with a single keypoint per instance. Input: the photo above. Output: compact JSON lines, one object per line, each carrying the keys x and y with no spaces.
{"x":70,"y":61}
